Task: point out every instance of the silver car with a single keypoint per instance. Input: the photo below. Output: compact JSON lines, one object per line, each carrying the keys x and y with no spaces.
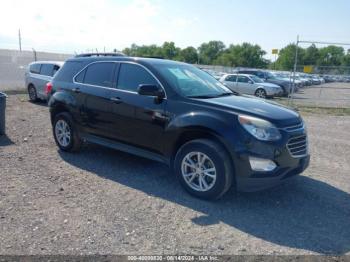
{"x":251,"y":85}
{"x":37,"y":75}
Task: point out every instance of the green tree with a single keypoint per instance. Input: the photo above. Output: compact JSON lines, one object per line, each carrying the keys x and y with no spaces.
{"x":245,"y":55}
{"x":346,"y":59}
{"x":331,"y":56}
{"x":286,"y":57}
{"x":312,"y":55}
{"x":170,"y":51}
{"x":210,"y":51}
{"x":147,"y":51}
{"x":189,"y":55}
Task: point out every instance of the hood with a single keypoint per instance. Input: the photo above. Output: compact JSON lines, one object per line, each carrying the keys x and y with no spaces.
{"x":273,"y":112}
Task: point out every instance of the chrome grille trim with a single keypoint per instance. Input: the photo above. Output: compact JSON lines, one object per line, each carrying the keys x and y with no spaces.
{"x":294,"y":128}
{"x":298,"y":146}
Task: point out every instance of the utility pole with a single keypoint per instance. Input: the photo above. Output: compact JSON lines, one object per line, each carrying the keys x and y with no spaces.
{"x":294,"y":69}
{"x":20,"y":40}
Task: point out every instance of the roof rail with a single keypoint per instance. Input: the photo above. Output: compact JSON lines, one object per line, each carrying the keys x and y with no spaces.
{"x":100,"y":54}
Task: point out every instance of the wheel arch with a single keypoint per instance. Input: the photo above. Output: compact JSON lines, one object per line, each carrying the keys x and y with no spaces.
{"x":199,"y":132}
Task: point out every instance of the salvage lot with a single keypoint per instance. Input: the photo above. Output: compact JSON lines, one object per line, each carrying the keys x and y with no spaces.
{"x":325,"y":95}
{"x":107,"y":202}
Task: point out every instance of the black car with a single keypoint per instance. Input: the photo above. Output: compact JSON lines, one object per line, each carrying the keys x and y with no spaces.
{"x":270,"y":78}
{"x":179,"y":115}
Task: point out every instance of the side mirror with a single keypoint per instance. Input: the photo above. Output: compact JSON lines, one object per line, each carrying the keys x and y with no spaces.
{"x":150,"y":90}
{"x":250,"y":82}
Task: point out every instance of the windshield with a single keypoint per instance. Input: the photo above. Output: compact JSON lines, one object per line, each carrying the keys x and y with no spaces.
{"x":270,"y":76}
{"x":190,"y":81}
{"x":256,"y":79}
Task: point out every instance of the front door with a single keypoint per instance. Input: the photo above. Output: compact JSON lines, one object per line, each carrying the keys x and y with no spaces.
{"x":243,"y":85}
{"x":138,"y":120}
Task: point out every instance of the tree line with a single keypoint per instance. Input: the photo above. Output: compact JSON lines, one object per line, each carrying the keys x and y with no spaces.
{"x":244,"y":55}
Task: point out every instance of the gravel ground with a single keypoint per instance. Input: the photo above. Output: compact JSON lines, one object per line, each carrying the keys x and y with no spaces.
{"x":327,"y":95}
{"x":107,"y":202}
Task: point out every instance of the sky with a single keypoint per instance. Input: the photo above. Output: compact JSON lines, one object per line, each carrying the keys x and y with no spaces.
{"x":81,"y":25}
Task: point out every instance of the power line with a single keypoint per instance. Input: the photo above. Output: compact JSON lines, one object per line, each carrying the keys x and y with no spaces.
{"x":322,"y":43}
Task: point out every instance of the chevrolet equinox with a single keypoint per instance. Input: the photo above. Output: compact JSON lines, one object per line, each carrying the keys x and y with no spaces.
{"x":177,"y":114}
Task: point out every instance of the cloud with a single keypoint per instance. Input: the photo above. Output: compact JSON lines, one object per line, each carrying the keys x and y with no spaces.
{"x":49,"y":25}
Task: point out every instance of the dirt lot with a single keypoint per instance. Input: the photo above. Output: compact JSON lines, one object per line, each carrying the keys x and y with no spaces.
{"x":107,"y":202}
{"x":325,"y":95}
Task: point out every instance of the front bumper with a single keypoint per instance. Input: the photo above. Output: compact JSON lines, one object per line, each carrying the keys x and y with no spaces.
{"x":255,"y":181}
{"x":290,"y":157}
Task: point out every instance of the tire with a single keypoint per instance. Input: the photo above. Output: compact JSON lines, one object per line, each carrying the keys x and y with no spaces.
{"x":260,"y":93}
{"x":215,"y":158}
{"x":69,"y":140}
{"x":33,"y":97}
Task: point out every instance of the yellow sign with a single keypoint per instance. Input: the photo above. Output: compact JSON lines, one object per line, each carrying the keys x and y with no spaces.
{"x":308,"y":69}
{"x":274,"y":51}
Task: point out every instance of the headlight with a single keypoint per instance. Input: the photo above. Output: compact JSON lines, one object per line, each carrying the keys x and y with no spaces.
{"x":259,"y":128}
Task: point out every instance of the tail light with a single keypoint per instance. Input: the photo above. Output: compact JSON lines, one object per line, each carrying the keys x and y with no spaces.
{"x":48,"y":88}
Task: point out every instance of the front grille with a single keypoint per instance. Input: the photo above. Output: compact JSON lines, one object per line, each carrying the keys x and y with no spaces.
{"x":298,"y":146}
{"x":294,"y":128}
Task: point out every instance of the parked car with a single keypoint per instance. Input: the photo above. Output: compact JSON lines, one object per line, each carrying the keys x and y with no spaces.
{"x":316,"y":80}
{"x":179,"y":115}
{"x":269,"y":78}
{"x":37,"y":77}
{"x":251,"y":85}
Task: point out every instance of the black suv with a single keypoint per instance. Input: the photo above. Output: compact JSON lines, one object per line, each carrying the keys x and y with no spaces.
{"x":179,"y":115}
{"x":270,"y":78}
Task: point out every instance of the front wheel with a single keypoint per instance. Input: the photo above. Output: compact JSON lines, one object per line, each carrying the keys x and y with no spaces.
{"x":204,"y":168}
{"x":65,"y":134}
{"x":260,"y":93}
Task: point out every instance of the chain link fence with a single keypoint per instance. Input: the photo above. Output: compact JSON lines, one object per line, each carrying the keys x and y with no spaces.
{"x":333,"y":92}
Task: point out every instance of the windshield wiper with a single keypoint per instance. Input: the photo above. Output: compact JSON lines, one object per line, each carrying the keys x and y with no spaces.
{"x":214,"y":96}
{"x":228,"y":94}
{"x":201,"y":96}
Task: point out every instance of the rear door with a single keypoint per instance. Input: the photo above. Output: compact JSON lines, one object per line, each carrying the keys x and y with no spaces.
{"x":34,"y":76}
{"x":231,"y":82}
{"x":92,"y":87}
{"x":138,"y":120}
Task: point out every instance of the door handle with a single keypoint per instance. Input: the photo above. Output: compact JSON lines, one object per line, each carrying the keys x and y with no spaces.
{"x":76,"y":90}
{"x":116,"y":100}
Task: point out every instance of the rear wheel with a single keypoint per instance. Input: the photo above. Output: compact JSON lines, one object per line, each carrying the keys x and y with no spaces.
{"x":204,"y":168}
{"x":260,"y":93}
{"x":32,"y":93}
{"x":65,"y":134}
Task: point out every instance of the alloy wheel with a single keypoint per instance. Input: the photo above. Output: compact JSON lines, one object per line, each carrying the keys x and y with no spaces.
{"x":198,"y":171}
{"x":260,"y":93}
{"x":63,"y":133}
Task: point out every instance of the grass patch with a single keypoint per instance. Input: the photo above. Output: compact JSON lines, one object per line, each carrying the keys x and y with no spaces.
{"x":318,"y":110}
{"x":14,"y":92}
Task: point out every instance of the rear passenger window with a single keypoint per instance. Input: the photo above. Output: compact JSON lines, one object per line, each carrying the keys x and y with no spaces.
{"x":131,"y":76}
{"x":35,"y":68}
{"x":80,"y":77}
{"x":46,"y":70}
{"x":99,"y":74}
